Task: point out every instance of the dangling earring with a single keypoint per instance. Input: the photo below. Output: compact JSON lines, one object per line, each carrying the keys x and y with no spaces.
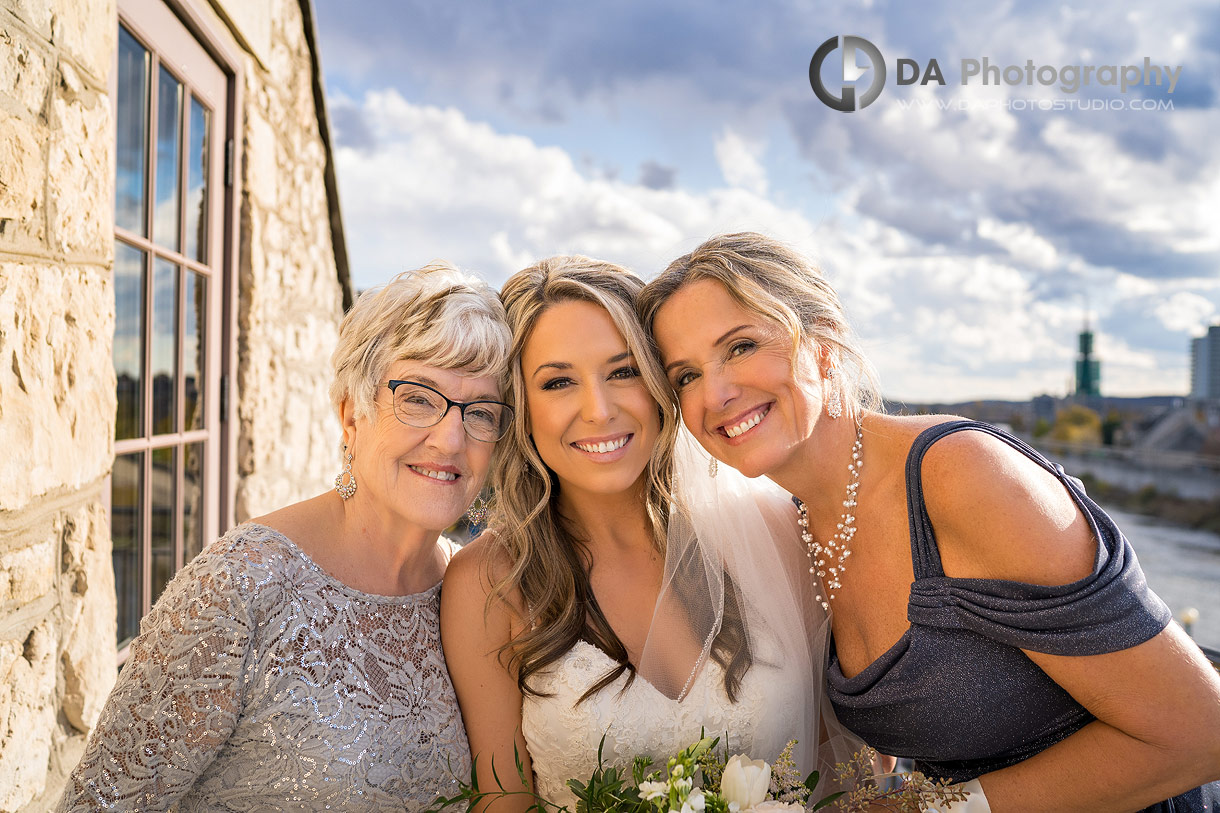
{"x":834,"y":398}
{"x":476,"y":514}
{"x":346,"y":490}
{"x":713,"y":466}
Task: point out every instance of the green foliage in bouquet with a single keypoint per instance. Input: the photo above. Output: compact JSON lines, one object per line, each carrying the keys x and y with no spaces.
{"x":699,"y":780}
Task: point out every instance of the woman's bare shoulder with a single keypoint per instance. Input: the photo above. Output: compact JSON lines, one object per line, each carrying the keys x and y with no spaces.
{"x":888,"y":438}
{"x":1003,"y":514}
{"x":479,"y":571}
{"x":311,"y":524}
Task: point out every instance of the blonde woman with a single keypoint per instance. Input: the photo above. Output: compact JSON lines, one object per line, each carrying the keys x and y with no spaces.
{"x":295,"y":664}
{"x":989,"y":620}
{"x":596,"y":608}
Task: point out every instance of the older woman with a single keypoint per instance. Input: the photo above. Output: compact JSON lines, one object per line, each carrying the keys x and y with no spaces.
{"x":988,"y":619}
{"x":295,"y":664}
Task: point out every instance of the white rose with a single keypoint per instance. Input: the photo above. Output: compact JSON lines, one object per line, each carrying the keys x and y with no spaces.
{"x":745,"y":781}
{"x":772,"y":806}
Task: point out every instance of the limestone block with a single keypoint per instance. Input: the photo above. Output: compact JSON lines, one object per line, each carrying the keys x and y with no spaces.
{"x":80,"y":196}
{"x":283,"y":58}
{"x":87,"y":599}
{"x":253,"y":20}
{"x":290,"y":315}
{"x":66,"y":752}
{"x":25,"y":72}
{"x":87,"y":30}
{"x":57,"y":382}
{"x":27,"y":670}
{"x":22,"y":172}
{"x":275,"y":259}
{"x":288,"y":426}
{"x":34,"y":13}
{"x":260,"y":154}
{"x":28,"y":573}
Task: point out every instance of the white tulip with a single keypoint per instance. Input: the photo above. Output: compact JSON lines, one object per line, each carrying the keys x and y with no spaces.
{"x":745,"y":781}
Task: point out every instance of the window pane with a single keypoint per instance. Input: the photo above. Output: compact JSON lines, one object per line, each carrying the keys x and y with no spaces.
{"x":164,"y":485}
{"x":129,"y":339}
{"x":197,"y":184}
{"x":164,"y":346}
{"x":131,"y":131}
{"x":194,"y":343}
{"x":169,"y":148}
{"x":192,"y":501}
{"x":126,"y":539}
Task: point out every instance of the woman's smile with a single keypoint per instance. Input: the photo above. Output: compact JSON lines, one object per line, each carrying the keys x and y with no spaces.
{"x":604,"y":449}
{"x":737,"y":428}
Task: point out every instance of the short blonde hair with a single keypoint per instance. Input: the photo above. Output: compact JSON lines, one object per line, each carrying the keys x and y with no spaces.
{"x":775,"y":282}
{"x":436,"y":315}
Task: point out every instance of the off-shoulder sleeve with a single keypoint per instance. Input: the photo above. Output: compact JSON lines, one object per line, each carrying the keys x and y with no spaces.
{"x":1109,"y":610}
{"x":177,"y":699}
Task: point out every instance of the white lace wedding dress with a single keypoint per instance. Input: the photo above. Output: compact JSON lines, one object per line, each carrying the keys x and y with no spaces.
{"x":563,"y":736}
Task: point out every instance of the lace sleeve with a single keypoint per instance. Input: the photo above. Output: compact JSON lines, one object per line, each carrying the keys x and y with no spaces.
{"x":177,"y":699}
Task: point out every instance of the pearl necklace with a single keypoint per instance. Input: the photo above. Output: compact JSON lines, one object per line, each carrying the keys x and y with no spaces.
{"x":836,"y":550}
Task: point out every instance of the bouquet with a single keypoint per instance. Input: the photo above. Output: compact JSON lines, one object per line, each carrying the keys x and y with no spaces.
{"x":698,"y":780}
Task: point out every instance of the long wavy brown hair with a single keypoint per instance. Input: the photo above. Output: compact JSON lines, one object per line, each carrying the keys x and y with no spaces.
{"x":545,"y":554}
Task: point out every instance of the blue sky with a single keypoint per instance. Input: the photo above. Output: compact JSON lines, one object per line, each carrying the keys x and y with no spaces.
{"x":966,"y":227}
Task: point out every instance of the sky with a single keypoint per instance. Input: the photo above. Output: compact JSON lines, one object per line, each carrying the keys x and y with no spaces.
{"x":970,"y":229}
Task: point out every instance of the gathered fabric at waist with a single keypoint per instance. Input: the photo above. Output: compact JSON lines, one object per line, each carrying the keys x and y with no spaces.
{"x":959,"y":704}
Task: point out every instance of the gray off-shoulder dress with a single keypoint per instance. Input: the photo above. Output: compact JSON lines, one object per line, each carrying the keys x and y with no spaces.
{"x":260,"y":683}
{"x":956,"y":693}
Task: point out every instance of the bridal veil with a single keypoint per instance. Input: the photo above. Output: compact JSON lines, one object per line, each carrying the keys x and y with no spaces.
{"x":737,"y":584}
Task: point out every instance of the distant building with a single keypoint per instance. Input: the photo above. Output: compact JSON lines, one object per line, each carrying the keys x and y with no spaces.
{"x":1205,"y":366}
{"x":1044,"y":408}
{"x":1088,"y":369}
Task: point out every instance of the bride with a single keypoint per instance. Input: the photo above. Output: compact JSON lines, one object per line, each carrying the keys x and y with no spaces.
{"x":628,"y":595}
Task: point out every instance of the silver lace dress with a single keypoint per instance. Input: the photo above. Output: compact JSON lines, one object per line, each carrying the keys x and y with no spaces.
{"x":260,"y":683}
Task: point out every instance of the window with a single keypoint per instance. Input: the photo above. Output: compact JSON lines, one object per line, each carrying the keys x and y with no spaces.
{"x":170,"y":103}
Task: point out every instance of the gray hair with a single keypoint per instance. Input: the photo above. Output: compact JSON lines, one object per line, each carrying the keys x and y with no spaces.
{"x":436,"y":315}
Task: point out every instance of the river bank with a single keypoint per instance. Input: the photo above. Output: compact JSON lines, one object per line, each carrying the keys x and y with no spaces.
{"x":1151,"y":501}
{"x":1182,"y":566}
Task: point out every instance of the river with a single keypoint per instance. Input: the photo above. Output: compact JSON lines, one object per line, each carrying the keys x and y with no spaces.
{"x":1182,"y":566}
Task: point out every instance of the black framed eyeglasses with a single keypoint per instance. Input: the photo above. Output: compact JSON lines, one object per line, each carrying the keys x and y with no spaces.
{"x":421,"y":406}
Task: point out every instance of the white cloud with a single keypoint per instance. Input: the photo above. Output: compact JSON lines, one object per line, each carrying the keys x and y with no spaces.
{"x":1185,"y":312}
{"x":944,"y":326}
{"x":740,"y":162}
{"x":1021,"y":241}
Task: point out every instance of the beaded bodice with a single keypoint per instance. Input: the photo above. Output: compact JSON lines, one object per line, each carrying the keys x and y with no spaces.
{"x":260,"y":682}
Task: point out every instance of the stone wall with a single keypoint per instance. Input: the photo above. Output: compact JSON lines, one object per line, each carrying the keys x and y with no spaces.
{"x":291,"y":298}
{"x":57,"y":381}
{"x":57,"y":388}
